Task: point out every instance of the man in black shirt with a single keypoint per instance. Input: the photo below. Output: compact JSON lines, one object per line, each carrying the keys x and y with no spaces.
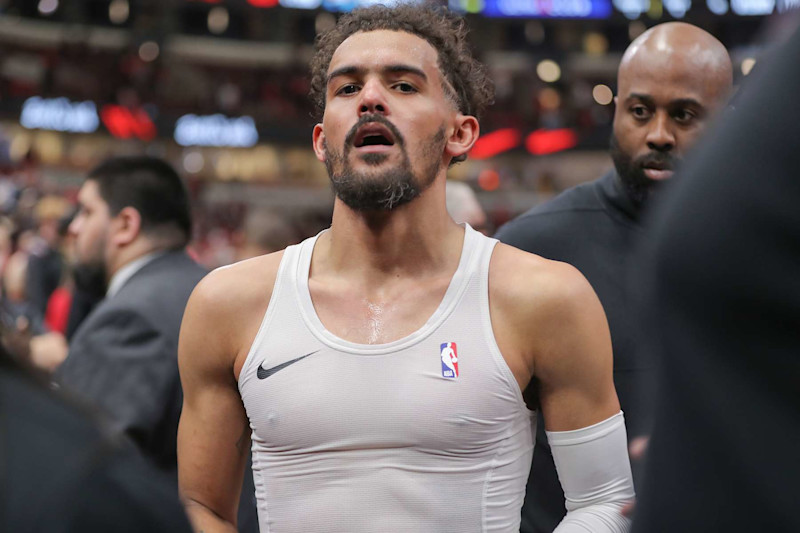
{"x":671,"y":81}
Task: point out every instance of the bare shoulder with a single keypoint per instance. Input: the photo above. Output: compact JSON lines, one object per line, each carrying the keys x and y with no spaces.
{"x":237,"y":288}
{"x":226,"y":308}
{"x":541,"y":309}
{"x":532,"y":285}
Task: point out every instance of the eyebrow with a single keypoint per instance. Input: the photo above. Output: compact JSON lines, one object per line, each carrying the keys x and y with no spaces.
{"x":686,"y":102}
{"x":643,"y":97}
{"x":389,"y":69}
{"x":678,"y":102}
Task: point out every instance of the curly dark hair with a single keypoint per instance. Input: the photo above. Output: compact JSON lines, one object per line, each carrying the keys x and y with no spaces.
{"x":446,"y":32}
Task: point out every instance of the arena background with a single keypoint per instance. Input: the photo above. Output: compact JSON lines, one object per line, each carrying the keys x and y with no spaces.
{"x":219,"y":88}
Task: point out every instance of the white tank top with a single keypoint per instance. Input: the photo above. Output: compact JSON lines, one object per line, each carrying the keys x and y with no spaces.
{"x":428,"y":433}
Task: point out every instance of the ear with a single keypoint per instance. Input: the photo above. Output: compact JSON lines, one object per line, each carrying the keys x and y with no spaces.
{"x":464,"y":135}
{"x":126,"y":226}
{"x":318,"y":140}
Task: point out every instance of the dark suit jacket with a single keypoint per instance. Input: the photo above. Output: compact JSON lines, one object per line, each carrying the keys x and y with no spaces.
{"x":123,"y":357}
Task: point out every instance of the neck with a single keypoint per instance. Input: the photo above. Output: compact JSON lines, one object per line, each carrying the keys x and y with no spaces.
{"x":132,"y":252}
{"x":414,"y":239}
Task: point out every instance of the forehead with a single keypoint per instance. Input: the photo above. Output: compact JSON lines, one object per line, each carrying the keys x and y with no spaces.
{"x":670,"y":76}
{"x":89,"y":193}
{"x":379,"y":48}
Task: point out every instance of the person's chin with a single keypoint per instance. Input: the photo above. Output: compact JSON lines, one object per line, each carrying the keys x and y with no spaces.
{"x":373,"y":158}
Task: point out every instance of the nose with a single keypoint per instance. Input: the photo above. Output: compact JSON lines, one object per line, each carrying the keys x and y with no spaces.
{"x":372,"y":99}
{"x":74,"y":226}
{"x":660,"y":136}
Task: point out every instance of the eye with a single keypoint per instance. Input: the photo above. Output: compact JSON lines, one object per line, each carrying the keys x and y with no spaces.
{"x":350,"y":88}
{"x":640,"y":112}
{"x":684,"y":116}
{"x":405,"y":87}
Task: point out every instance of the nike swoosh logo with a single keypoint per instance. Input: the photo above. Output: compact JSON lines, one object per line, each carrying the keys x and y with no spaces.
{"x":264,"y":373}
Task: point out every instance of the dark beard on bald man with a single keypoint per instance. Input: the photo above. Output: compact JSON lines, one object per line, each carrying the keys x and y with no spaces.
{"x":637,"y":185}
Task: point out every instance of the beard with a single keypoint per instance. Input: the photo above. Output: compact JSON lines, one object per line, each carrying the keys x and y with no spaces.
{"x":90,"y":278}
{"x":631,"y":171}
{"x":382,"y":190}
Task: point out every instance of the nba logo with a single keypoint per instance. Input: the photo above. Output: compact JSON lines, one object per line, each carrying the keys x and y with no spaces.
{"x":449,"y":355}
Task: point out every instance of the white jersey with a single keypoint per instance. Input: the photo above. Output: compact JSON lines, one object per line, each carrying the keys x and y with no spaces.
{"x":428,"y":433}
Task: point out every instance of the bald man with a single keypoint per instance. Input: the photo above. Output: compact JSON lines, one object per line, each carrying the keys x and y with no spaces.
{"x":672,"y":80}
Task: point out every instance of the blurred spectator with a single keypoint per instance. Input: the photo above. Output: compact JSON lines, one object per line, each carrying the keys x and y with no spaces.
{"x":45,"y":263}
{"x":6,"y":244}
{"x":19,"y":318}
{"x":62,"y":473}
{"x":133,"y":225}
{"x":218,"y":250}
{"x":265,"y":232}
{"x":463,"y":205}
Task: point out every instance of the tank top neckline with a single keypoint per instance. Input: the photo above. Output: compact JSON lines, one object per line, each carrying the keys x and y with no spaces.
{"x":456,"y":287}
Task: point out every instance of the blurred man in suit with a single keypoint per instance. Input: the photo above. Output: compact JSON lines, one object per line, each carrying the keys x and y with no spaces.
{"x":671,"y":82}
{"x":130,"y":233}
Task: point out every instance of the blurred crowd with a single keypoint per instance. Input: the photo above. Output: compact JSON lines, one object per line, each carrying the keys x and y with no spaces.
{"x":37,"y":247}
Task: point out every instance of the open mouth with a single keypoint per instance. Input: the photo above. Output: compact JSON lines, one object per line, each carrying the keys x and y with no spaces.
{"x":373,"y":135}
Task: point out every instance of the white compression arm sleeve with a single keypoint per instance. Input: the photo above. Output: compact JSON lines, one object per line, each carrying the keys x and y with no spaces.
{"x":595,"y":473}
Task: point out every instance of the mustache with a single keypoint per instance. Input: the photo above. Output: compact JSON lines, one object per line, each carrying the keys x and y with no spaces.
{"x":660,"y":159}
{"x":373,"y":119}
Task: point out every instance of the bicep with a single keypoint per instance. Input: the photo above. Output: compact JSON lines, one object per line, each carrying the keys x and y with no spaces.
{"x":574,"y":368}
{"x":213,"y":434}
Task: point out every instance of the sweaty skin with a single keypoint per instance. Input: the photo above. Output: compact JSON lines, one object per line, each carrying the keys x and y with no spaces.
{"x":375,"y":321}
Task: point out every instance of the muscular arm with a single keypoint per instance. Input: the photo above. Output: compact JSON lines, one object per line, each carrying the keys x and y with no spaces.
{"x":214,"y":434}
{"x":572,"y":356}
{"x":552,"y":328}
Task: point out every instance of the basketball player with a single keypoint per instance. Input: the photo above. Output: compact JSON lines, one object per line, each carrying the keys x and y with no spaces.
{"x":378,"y":367}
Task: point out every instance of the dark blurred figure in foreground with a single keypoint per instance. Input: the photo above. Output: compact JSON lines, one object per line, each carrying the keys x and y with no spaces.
{"x":723,"y":291}
{"x":672,"y":80}
{"x":60,"y":473}
{"x":130,"y":234}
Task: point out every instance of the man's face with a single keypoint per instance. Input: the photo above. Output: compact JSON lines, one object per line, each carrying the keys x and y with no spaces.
{"x":386,"y":121}
{"x":90,"y":229}
{"x":663,"y":105}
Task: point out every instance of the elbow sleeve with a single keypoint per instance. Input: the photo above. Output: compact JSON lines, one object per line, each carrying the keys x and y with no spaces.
{"x":595,"y":473}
